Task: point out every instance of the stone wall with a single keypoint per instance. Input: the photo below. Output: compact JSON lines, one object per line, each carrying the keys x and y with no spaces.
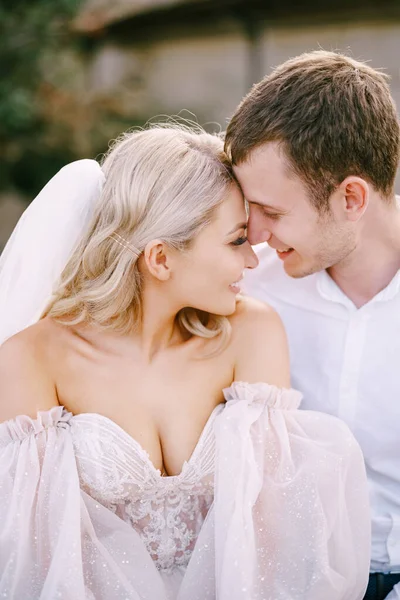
{"x":207,"y":71}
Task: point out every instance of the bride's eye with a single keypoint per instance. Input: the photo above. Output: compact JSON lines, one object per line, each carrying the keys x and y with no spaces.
{"x":241,"y":240}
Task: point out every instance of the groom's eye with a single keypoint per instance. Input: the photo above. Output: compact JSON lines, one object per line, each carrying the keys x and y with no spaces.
{"x":271,"y":215}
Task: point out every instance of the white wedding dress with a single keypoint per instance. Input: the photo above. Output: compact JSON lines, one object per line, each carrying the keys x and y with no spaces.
{"x":272,"y":505}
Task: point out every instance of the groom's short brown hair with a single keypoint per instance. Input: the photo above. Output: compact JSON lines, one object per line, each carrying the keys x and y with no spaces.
{"x":334,"y":117}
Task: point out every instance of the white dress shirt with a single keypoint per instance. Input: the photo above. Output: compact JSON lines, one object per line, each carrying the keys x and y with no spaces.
{"x":346,"y":361}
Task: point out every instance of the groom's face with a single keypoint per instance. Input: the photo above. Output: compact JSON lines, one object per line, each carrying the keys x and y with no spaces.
{"x":281,"y":214}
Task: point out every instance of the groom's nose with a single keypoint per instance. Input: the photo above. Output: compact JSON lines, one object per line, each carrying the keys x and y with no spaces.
{"x":257,"y":232}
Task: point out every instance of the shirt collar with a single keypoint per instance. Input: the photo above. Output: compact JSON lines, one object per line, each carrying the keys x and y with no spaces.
{"x":329,"y":290}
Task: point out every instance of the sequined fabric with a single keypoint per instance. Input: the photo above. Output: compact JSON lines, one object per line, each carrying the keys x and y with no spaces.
{"x":272,"y":505}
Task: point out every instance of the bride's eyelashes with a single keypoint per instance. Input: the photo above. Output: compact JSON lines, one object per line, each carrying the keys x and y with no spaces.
{"x":239,"y":241}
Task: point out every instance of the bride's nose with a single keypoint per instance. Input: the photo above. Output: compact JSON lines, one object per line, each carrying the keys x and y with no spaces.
{"x":251,"y":257}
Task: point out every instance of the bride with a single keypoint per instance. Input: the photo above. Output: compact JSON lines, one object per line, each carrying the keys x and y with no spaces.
{"x":150,"y":444}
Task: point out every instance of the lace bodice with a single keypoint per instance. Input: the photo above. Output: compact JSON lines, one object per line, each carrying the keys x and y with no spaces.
{"x":167,"y":512}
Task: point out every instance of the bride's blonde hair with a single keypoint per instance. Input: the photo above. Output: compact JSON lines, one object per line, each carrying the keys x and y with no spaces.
{"x":161,"y":183}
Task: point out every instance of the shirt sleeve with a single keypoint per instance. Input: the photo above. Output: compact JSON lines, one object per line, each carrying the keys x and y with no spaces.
{"x":291,"y":504}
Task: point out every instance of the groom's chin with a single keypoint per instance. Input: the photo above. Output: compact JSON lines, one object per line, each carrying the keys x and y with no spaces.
{"x":300,"y":268}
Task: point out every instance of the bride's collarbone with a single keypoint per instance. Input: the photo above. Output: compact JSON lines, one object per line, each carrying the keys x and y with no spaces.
{"x":163,"y":406}
{"x":86,"y":376}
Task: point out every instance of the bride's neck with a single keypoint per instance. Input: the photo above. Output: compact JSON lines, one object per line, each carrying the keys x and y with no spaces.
{"x":157,"y":331}
{"x":158,"y":328}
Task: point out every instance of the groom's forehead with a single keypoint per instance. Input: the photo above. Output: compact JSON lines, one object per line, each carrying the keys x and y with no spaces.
{"x":265,"y":191}
{"x":265,"y":166}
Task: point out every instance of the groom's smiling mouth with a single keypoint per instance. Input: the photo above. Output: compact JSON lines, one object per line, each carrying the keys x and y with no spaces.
{"x":283,"y":252}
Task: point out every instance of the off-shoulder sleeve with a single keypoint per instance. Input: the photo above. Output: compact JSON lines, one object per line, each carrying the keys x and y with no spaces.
{"x":291,"y":508}
{"x":55,"y":540}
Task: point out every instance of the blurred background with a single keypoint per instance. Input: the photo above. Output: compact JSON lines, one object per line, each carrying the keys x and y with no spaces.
{"x":76,"y":73}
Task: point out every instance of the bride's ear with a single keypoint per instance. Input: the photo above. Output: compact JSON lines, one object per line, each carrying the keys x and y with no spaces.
{"x":156,"y":257}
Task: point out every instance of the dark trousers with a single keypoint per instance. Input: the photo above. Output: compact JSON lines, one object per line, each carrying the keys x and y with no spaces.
{"x":380,"y":584}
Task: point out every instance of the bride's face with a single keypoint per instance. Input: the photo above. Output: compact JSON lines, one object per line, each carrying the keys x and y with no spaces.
{"x":207,"y":276}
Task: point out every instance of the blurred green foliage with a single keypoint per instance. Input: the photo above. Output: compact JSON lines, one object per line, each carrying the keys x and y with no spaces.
{"x":29,"y":30}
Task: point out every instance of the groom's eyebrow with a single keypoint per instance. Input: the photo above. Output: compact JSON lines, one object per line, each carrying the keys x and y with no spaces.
{"x":238,"y":226}
{"x":267,"y":206}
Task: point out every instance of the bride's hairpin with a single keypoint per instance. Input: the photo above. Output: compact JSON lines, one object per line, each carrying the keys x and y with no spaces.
{"x":122,"y":242}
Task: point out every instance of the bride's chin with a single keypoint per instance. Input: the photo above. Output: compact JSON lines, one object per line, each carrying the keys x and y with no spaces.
{"x":225,"y":311}
{"x":222,"y":307}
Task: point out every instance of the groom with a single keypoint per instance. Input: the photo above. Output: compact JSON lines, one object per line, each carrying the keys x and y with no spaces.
{"x":316,"y":146}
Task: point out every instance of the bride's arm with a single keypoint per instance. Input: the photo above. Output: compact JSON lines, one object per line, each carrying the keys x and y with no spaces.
{"x":291,"y":497}
{"x":40,"y":502}
{"x":26,"y":385}
{"x":55,"y":540}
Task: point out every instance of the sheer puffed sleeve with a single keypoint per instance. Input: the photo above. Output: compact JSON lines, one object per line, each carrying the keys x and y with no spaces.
{"x":55,"y":540}
{"x":291,"y":507}
{"x":291,"y":514}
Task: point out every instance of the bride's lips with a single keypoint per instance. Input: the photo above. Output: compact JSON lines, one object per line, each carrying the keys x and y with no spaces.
{"x":235,"y":287}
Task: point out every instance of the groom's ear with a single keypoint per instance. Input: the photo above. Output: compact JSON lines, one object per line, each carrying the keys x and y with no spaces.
{"x":354,"y":197}
{"x":156,"y":258}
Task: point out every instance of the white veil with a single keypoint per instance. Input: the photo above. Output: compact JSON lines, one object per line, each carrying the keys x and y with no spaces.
{"x":43,"y":241}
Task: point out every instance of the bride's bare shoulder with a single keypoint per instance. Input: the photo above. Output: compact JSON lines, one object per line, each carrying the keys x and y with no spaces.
{"x":251,"y":313}
{"x":26,"y":381}
{"x":260,"y":343}
{"x":35,"y":341}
